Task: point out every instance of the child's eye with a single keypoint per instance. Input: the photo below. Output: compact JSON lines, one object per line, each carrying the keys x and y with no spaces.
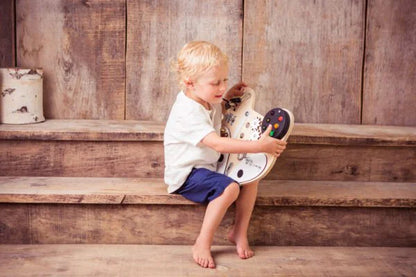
{"x":219,"y":82}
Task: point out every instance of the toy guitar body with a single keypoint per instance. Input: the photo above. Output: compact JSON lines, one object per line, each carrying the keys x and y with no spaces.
{"x":242,"y":122}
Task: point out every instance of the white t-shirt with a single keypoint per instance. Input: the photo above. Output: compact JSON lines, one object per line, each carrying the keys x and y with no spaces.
{"x":188,"y":123}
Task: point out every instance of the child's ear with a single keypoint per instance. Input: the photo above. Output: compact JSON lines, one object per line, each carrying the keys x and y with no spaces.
{"x":188,"y":83}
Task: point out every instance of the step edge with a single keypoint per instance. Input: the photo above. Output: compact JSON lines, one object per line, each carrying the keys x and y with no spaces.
{"x":166,"y":200}
{"x":130,"y":130}
{"x":30,"y":192}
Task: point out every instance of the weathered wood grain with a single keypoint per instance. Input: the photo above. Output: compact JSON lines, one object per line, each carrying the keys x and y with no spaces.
{"x":75,"y":190}
{"x":81,"y":47}
{"x":389,"y":96}
{"x":180,"y":224}
{"x":128,"y":260}
{"x":346,"y":163}
{"x":146,"y":159}
{"x":66,"y":190}
{"x":133,"y":130}
{"x":352,"y":135}
{"x":86,"y":130}
{"x":302,"y":55}
{"x":82,"y":158}
{"x":14,"y":224}
{"x":111,"y":148}
{"x":305,"y":56}
{"x":7,"y":34}
{"x":156,"y":32}
{"x":310,"y":226}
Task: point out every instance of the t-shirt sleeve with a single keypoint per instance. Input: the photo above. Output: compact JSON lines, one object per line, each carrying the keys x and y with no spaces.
{"x":193,"y":128}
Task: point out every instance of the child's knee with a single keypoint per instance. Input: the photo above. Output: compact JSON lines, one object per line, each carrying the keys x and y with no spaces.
{"x":252,"y":184}
{"x":233,"y":190}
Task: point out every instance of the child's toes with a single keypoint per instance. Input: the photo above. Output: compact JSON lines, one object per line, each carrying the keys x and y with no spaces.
{"x":244,"y":253}
{"x":203,"y":262}
{"x":249,"y":254}
{"x":211,"y":263}
{"x":200,"y":261}
{"x":206,"y":263}
{"x":241,"y":253}
{"x":203,"y":257}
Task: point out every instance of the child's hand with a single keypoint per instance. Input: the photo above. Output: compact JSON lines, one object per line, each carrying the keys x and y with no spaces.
{"x":236,"y":90}
{"x":271,"y":145}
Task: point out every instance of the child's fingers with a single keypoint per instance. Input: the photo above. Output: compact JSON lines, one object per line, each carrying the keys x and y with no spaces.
{"x":281,"y":147}
{"x":281,"y":142}
{"x":239,"y":89}
{"x":269,"y":128}
{"x":236,"y":90}
{"x":266,"y":132}
{"x":242,"y":86}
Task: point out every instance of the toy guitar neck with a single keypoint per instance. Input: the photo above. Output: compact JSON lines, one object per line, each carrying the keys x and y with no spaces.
{"x":242,"y":122}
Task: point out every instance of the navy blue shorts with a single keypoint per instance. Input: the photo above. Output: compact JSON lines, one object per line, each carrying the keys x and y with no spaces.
{"x":203,"y":185}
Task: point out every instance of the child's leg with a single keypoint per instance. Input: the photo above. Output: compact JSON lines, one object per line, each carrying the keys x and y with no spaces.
{"x":213,"y":215}
{"x":244,"y":209}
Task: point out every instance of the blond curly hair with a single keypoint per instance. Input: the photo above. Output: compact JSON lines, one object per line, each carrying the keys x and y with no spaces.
{"x":196,"y":58}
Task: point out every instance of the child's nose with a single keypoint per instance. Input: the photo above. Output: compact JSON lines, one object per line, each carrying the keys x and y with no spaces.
{"x":223,"y":86}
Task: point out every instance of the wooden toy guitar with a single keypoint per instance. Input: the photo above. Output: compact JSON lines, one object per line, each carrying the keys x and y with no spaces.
{"x":242,"y":122}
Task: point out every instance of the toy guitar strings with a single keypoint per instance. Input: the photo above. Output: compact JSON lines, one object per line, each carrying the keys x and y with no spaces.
{"x":242,"y":122}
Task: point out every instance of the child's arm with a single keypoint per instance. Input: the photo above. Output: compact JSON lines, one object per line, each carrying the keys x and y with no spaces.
{"x":265,"y":144}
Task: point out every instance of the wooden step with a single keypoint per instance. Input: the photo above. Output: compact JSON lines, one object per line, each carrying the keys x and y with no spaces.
{"x":129,"y":210}
{"x":131,"y":130}
{"x":76,"y":190}
{"x":100,"y":148}
{"x":176,"y":260}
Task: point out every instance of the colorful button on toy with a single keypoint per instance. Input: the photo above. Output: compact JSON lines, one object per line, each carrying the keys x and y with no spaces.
{"x":280,"y":122}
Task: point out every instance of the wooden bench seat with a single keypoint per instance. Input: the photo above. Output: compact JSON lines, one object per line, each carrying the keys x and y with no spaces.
{"x":130,"y":130}
{"x":74,"y":190}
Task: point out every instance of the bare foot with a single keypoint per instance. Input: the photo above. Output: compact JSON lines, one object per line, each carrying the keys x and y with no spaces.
{"x":243,"y":249}
{"x":202,"y":255}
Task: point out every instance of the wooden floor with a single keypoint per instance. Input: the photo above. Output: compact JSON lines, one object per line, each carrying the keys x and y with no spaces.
{"x":172,"y":260}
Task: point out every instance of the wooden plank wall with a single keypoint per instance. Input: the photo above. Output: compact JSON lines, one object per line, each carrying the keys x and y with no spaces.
{"x":156,"y":31}
{"x":390,"y":63}
{"x":329,"y":61}
{"x":81,"y":46}
{"x":7,"y":47}
{"x":306,"y":56}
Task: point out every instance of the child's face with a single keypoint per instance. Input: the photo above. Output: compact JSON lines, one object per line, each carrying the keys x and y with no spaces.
{"x":210,"y":86}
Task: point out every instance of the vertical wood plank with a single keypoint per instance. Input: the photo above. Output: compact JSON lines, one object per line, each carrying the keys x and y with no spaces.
{"x":306,"y":56}
{"x":7,"y":34}
{"x":389,"y":96}
{"x":157,"y":30}
{"x":81,"y":46}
